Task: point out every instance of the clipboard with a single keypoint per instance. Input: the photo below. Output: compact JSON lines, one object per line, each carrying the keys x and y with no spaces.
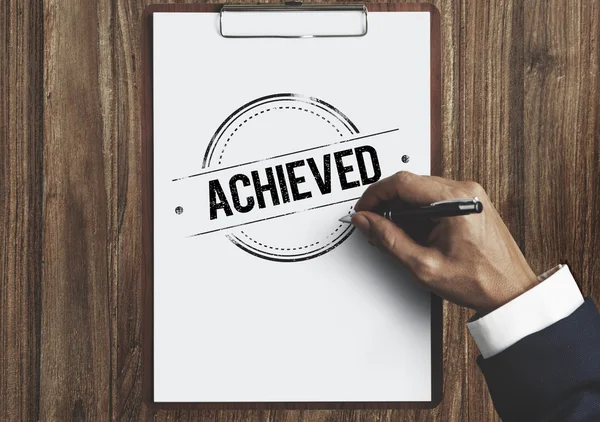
{"x":148,"y":197}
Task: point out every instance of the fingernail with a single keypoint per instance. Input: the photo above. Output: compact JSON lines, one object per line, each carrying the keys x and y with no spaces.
{"x":362,"y":223}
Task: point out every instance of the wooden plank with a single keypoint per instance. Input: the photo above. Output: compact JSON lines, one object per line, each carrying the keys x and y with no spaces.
{"x":78,"y":236}
{"x":453,"y":405}
{"x":21,"y":110}
{"x":126,"y":59}
{"x":562,"y":137}
{"x":491,"y":138}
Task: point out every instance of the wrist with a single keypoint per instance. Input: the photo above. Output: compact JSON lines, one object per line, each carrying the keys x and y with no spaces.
{"x":555,"y":297}
{"x":518,"y":286}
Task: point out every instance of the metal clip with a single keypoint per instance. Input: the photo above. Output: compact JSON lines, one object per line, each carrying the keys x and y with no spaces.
{"x":457,"y":201}
{"x":293,"y":6}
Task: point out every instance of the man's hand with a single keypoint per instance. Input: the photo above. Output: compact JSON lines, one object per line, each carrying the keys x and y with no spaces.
{"x":470,"y":260}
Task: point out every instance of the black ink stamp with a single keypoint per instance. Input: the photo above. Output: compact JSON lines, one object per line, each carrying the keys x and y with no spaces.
{"x":281,"y":184}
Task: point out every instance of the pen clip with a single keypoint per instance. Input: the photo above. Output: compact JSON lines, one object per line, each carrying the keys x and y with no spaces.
{"x":457,"y":201}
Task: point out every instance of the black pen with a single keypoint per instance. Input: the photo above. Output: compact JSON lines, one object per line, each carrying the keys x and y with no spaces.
{"x":448,"y":208}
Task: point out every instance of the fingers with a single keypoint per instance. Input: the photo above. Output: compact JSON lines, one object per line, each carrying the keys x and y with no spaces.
{"x":408,"y":187}
{"x":420,"y":260}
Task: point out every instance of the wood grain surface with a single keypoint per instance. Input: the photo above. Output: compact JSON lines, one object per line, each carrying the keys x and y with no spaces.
{"x":521,"y":115}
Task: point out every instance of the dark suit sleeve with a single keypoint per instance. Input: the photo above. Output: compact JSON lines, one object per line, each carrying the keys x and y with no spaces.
{"x":551,"y":375}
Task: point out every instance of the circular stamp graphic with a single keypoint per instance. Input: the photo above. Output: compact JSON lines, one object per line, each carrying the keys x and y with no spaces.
{"x":277,"y":125}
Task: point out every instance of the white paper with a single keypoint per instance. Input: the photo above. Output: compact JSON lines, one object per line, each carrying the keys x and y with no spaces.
{"x":284,"y":303}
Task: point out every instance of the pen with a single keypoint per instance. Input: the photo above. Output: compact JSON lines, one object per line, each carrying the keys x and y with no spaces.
{"x":448,"y":208}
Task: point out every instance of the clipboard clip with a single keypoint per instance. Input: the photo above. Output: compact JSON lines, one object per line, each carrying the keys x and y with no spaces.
{"x":281,"y":20}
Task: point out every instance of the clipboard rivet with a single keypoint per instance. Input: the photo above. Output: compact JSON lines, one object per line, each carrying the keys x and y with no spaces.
{"x":405,"y":158}
{"x":179,"y":210}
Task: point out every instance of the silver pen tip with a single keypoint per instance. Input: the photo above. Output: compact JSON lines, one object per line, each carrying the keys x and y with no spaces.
{"x":347,"y":218}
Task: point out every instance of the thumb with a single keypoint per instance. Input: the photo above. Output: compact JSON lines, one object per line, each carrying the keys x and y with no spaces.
{"x":390,"y":237}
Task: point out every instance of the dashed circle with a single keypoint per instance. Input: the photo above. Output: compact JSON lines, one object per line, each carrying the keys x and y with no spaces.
{"x":233,"y":124}
{"x":267,"y":110}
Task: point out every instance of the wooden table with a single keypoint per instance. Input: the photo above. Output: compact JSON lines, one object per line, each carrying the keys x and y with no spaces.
{"x":521,"y":115}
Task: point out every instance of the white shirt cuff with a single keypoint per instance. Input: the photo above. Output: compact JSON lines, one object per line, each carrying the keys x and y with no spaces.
{"x":555,"y":298}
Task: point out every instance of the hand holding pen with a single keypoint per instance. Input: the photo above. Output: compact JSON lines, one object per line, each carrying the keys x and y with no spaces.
{"x":473,"y":261}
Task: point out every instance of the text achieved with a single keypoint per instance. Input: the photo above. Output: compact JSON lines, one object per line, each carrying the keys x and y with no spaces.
{"x":291,"y":181}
